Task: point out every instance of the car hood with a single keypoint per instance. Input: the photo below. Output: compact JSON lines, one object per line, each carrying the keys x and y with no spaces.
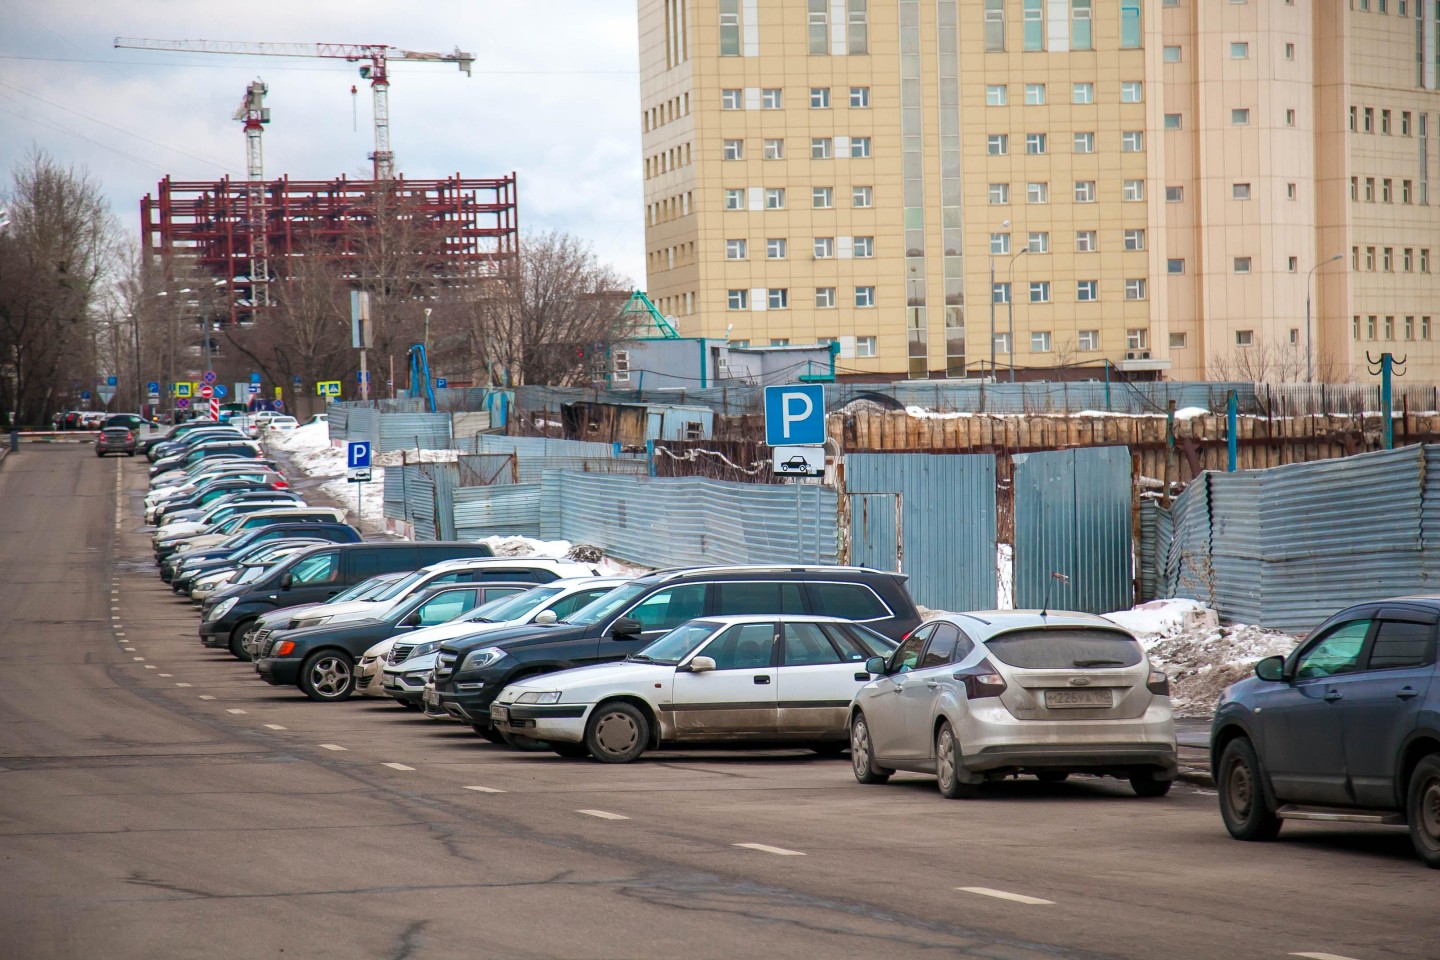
{"x":201,"y":542}
{"x":178,"y":529}
{"x":582,"y":684}
{"x":350,"y":610}
{"x":449,"y":631}
{"x":523,"y":635}
{"x":415,"y":664}
{"x":277,"y":619}
{"x":344,"y":631}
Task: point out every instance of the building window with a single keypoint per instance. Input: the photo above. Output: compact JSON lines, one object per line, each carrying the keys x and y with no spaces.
{"x":1241,"y":264}
{"x":1084,"y":191}
{"x":1034,"y":94}
{"x":1080,"y":32}
{"x":1289,"y":51}
{"x":1355,"y":326}
{"x":1087,"y":340}
{"x":1170,"y":54}
{"x":864,"y":296}
{"x":1132,"y":141}
{"x":821,"y":147}
{"x":1174,"y":266}
{"x":1038,"y":242}
{"x":1370,"y":258}
{"x":1033,"y":32}
{"x":734,"y":199}
{"x":1239,"y":50}
{"x":1134,"y":190}
{"x":999,"y":244}
{"x":1085,"y":241}
{"x":734,"y":149}
{"x":1173,"y":121}
{"x":729,"y":28}
{"x":1000,"y":293}
{"x":771,"y":99}
{"x":734,"y":249}
{"x":1385,"y":191}
{"x":1132,"y":91}
{"x":1409,"y":328}
{"x":1034,"y":144}
{"x":1385,"y":122}
{"x":997,"y":95}
{"x":1425,"y":261}
{"x":732,"y":99}
{"x":1404,"y":123}
{"x":777,"y":298}
{"x":1137,"y":338}
{"x":1082,"y":93}
{"x":1129,"y":24}
{"x":822,"y":198}
{"x":1387,"y":259}
{"x":824,"y":298}
{"x":1289,"y":191}
{"x":774,"y":149}
{"x":1174,"y":194}
{"x":818,"y":26}
{"x":1369,"y":115}
{"x":859,"y":97}
{"x":1002,"y":344}
{"x":1039,"y":341}
{"x":775,"y":249}
{"x":774,"y":198}
{"x":819,"y":98}
{"x":1407,"y":259}
{"x":1289,"y":118}
{"x":774,"y":342}
{"x":999,"y":194}
{"x":1405,"y":191}
{"x":1244,"y":338}
{"x":1389,"y":328}
{"x":1087,"y":291}
{"x":862,"y":197}
{"x":824,"y":248}
{"x":1240,"y":116}
{"x":1135,"y":289}
{"x":1424,"y":328}
{"x":1084,"y":143}
{"x":857,"y":25}
{"x":1040,"y":291}
{"x":738,"y":299}
{"x":864,"y":346}
{"x":1240,"y":191}
{"x":1037,"y":193}
{"x":1293,"y":264}
{"x":859,"y":148}
{"x":1369,"y":189}
{"x":864,"y":248}
{"x":997,"y":144}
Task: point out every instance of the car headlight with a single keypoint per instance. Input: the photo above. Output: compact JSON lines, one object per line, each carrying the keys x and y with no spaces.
{"x":309,"y":622}
{"x":479,"y":659}
{"x":424,"y":650}
{"x":537,"y":696}
{"x":221,"y":608}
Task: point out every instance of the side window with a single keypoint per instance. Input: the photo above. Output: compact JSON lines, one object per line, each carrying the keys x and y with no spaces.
{"x":1400,"y":643}
{"x":745,"y":646}
{"x":850,"y":601}
{"x":859,"y":643}
{"x":942,"y":646}
{"x":495,"y":593}
{"x":1336,"y":653}
{"x":806,"y":645}
{"x":908,"y":655}
{"x":364,"y":564}
{"x":447,"y":606}
{"x":739,"y":597}
{"x":524,"y":575}
{"x":667,"y":609}
{"x":563,"y":608}
{"x":317,"y":568}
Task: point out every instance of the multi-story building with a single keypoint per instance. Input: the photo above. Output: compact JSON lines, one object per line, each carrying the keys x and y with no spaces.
{"x":950,"y":186}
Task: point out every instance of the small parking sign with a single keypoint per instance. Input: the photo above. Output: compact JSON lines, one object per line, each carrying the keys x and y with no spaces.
{"x":795,"y":415}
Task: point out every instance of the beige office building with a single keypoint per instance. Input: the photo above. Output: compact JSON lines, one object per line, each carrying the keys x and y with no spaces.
{"x":1157,"y":183}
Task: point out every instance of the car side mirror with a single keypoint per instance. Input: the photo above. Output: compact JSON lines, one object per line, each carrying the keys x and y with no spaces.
{"x":1271,"y":669}
{"x":701,"y":664}
{"x":286,"y":579}
{"x":875,"y":666}
{"x":546,"y":616}
{"x":625,"y":628}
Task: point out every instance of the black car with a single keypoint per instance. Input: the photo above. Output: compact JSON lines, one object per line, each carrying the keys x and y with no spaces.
{"x":1345,"y":728}
{"x":210,"y":450}
{"x":186,"y":574}
{"x":470,"y":672}
{"x":321,"y":660}
{"x":333,"y":532}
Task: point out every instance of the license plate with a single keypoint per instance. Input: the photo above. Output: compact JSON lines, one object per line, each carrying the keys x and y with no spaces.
{"x":432,"y":699}
{"x":499,"y":714}
{"x":1077,"y":698}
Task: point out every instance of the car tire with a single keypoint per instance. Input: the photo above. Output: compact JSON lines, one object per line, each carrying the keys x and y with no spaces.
{"x":948,"y":766}
{"x":328,"y":676}
{"x":488,"y":732}
{"x":1146,"y":784}
{"x":1052,"y":776}
{"x":571,"y":751}
{"x":617,"y":732}
{"x":1243,"y":805}
{"x":862,"y":753}
{"x":237,"y":639}
{"x":1422,"y":809}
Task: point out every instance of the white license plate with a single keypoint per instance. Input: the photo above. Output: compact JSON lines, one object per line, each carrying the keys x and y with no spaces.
{"x":1077,"y":698}
{"x":499,"y":714}
{"x":432,"y":699}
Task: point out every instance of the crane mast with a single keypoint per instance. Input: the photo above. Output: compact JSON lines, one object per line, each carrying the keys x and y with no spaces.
{"x":254,"y":114}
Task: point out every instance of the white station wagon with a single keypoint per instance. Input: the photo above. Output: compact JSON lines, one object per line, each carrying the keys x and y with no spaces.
{"x":757,"y":679}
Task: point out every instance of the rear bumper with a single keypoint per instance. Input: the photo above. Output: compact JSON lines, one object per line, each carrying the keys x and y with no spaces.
{"x":1159,"y":758}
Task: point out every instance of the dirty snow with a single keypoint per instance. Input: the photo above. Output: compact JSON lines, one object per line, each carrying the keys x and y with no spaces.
{"x":504,"y":546}
{"x":1005,"y":574}
{"x":310,"y":449}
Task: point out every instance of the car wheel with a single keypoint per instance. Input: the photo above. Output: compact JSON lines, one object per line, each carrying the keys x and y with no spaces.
{"x":1423,"y":810}
{"x":571,"y":751}
{"x":947,"y":766}
{"x":328,"y":676}
{"x":488,"y":732}
{"x":862,"y":756}
{"x":617,"y":733}
{"x":1146,"y":784}
{"x":1243,"y":806}
{"x":238,"y":636}
{"x":525,"y":744}
{"x":1052,"y":776}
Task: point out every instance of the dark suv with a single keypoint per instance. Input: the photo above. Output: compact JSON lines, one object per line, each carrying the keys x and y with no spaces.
{"x":471,"y":672}
{"x":1345,"y":728}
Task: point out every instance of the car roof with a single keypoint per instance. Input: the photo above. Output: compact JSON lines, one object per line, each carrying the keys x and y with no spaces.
{"x":771,"y":568}
{"x":733,"y":618}
{"x":335,"y":512}
{"x":989,"y":623}
{"x":537,"y":562}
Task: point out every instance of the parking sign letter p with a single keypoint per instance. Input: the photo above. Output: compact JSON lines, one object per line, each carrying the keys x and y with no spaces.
{"x":787,"y":417}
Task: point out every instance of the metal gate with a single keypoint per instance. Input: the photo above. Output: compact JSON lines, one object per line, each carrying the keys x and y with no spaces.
{"x":876,"y":527}
{"x":1072,"y":523}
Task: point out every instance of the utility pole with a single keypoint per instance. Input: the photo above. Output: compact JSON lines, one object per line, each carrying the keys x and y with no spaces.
{"x":1010,"y":306}
{"x":1004,"y":225}
{"x":1309,"y":369}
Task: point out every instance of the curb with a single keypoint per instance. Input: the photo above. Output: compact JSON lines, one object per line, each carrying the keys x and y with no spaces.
{"x":1201,"y":778}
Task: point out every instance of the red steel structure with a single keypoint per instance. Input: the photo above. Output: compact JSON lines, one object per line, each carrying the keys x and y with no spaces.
{"x":209,"y":223}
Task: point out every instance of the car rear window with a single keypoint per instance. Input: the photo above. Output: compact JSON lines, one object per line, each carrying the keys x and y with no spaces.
{"x":1062,"y":649}
{"x":848,"y":601}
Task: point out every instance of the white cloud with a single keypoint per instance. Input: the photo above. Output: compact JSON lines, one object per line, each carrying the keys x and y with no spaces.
{"x":554,"y":97}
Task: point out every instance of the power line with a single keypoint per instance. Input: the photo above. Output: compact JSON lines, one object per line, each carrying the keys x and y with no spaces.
{"x":321,"y":69}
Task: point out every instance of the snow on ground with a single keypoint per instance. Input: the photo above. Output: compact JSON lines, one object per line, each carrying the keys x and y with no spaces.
{"x":1005,"y":574}
{"x":309,"y":449}
{"x":505,"y":546}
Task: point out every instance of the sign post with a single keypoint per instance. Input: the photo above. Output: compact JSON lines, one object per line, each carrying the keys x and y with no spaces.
{"x":357,"y":470}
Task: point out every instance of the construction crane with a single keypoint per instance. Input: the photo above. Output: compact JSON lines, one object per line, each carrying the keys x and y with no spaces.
{"x":376,"y":71}
{"x":254,"y":114}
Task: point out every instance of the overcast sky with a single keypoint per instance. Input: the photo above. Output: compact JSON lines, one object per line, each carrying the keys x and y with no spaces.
{"x":554,"y":98}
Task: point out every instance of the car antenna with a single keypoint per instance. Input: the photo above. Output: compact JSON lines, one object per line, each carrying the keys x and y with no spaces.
{"x":1054,"y":575}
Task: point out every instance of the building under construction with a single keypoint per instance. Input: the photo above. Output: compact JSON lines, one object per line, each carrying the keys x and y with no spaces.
{"x":215,"y":225}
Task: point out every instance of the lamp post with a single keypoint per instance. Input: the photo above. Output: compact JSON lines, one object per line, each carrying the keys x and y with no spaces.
{"x":1309,"y":370}
{"x":1004,"y":224}
{"x":1010,"y":306}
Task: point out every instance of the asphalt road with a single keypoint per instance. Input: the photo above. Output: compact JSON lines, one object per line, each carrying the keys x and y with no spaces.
{"x":158,"y":801}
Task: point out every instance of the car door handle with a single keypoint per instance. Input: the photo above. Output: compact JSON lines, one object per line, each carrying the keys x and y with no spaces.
{"x":1407,"y":693}
{"x":1332,"y":695}
{"x":932,"y":685}
{"x":862,"y":677}
{"x":762,"y":678}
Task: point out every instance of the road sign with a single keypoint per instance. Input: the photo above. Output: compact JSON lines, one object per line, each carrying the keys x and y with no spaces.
{"x":362,"y":376}
{"x":298,"y":382}
{"x":209,"y":376}
{"x":152,"y":386}
{"x":182,"y":403}
{"x":795,"y":415}
{"x":220,"y":390}
{"x":182,"y":389}
{"x":441,"y":383}
{"x":111,"y":381}
{"x":252,"y":388}
{"x":84,"y":394}
{"x":357,"y":454}
{"x":254,"y":378}
{"x":106,"y":394}
{"x":206,"y":391}
{"x":328,"y":388}
{"x":799,"y":461}
{"x":279,"y":404}
{"x":362,"y":475}
{"x":214,"y":408}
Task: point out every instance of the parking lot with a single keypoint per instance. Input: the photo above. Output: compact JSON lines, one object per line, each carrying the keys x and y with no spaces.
{"x":159,"y":801}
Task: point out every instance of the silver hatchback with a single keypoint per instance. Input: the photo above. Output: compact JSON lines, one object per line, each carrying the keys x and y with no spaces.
{"x":981,"y":696}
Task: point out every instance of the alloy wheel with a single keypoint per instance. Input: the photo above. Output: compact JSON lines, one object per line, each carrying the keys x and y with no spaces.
{"x":330,"y":676}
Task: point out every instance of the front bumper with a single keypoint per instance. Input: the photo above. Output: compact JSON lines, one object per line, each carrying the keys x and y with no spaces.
{"x":405,"y":687}
{"x":279,"y":671}
{"x":563,"y":722}
{"x":367,"y":677}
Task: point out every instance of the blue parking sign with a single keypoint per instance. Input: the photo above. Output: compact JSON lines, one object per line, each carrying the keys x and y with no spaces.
{"x":795,"y":415}
{"x":357,"y":454}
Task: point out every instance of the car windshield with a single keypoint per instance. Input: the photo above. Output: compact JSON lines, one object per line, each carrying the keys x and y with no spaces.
{"x":605,"y":606}
{"x":678,"y":643}
{"x":366,"y":589}
{"x":231,"y":524}
{"x":512,"y":607}
{"x":251,"y":573}
{"x":399,"y":586}
{"x":1063,"y":649}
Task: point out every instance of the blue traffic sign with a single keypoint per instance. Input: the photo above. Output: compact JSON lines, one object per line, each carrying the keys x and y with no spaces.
{"x":795,"y":415}
{"x":298,"y":381}
{"x":254,"y":378}
{"x":84,"y":394}
{"x":254,"y":388}
{"x":357,"y":454}
{"x":152,"y":386}
{"x":362,"y":376}
{"x":279,"y":404}
{"x":441,"y":383}
{"x":111,"y":381}
{"x":220,"y":390}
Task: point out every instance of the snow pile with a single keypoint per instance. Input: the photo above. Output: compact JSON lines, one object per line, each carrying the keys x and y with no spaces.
{"x":504,"y":546}
{"x":309,"y":448}
{"x":396,"y":458}
{"x":1201,"y":657}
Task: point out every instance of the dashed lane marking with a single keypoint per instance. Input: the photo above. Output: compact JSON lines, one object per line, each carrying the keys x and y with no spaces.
{"x":235,"y":710}
{"x":182,"y":684}
{"x":167,"y":674}
{"x":275,"y":726}
{"x":483,"y":789}
{"x":129,"y":649}
{"x":149,"y":666}
{"x":766,"y":848}
{"x":1321,"y":956}
{"x":331,"y":746}
{"x":138,"y":659}
{"x":1005,"y":895}
{"x":397,"y":766}
{"x":602,"y":814}
{"x":206,"y":696}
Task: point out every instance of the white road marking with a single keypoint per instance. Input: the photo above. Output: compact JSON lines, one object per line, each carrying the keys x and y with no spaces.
{"x":397,"y":766}
{"x":149,"y":666}
{"x":1321,"y":956}
{"x":138,"y":659}
{"x":483,"y":789}
{"x":114,"y":618}
{"x":182,"y":684}
{"x":602,"y":814}
{"x":167,"y":674}
{"x":332,"y":746}
{"x":275,"y":726}
{"x":206,"y":696}
{"x":234,"y":710}
{"x":765,"y":848}
{"x":1002,"y":895}
{"x":129,"y":649}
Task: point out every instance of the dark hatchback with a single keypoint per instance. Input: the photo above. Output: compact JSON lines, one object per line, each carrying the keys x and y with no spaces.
{"x":115,"y":440}
{"x":1345,"y":728}
{"x":471,"y":672}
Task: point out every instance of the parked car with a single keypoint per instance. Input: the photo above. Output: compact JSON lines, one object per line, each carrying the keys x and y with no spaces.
{"x":1345,"y":728}
{"x":471,"y":672}
{"x":115,"y":440}
{"x":361,"y":590}
{"x":981,"y":696}
{"x":91,"y":419}
{"x":760,"y":680}
{"x":317,"y":418}
{"x":236,"y":448}
{"x":174,"y":433}
{"x":331,"y":532}
{"x":282,"y":424}
{"x":201,"y":585}
{"x":244,"y":517}
{"x":230,"y":490}
{"x":321,"y":660}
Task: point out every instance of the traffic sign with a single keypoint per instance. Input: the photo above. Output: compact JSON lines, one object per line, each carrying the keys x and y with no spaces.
{"x":328,"y":388}
{"x":206,"y":392}
{"x":209,"y":376}
{"x":111,"y":381}
{"x":215,"y":408}
{"x":362,"y":376}
{"x":441,"y":383}
{"x":182,"y":403}
{"x":182,"y":389}
{"x":106,"y":394}
{"x":84,"y":394}
{"x":795,"y":415}
{"x":152,"y":386}
{"x":298,"y":382}
{"x":253,"y":388}
{"x":361,"y":475}
{"x":279,"y":404}
{"x":254,"y":378}
{"x":220,"y":390}
{"x":799,"y":461}
{"x":357,"y":454}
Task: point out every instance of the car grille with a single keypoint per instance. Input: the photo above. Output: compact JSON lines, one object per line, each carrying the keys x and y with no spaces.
{"x":363,"y":681}
{"x":260,"y":641}
{"x":399,"y":653}
{"x":446,"y":664}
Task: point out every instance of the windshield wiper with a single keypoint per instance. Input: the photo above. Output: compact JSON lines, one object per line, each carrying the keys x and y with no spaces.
{"x":641,"y":657}
{"x":1099,"y":662}
{"x":482,"y":620}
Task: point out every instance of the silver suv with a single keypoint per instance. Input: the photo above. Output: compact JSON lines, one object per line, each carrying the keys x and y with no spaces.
{"x":977,"y":696}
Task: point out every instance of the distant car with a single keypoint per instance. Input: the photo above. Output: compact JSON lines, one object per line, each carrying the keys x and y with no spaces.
{"x":317,"y":418}
{"x":979,"y":696}
{"x":282,"y":424}
{"x":796,"y":463}
{"x":1345,"y":728}
{"x":91,"y":419}
{"x":115,"y":440}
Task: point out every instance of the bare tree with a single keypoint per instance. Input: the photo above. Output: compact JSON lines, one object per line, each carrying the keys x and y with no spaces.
{"x":308,"y":334}
{"x":1274,"y":361}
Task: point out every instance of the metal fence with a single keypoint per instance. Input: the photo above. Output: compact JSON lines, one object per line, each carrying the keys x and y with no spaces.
{"x":511,"y":509}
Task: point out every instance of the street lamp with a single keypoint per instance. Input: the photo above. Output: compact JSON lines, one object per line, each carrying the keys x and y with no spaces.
{"x":1309,"y":370}
{"x":1004,"y":224}
{"x":1010,"y":306}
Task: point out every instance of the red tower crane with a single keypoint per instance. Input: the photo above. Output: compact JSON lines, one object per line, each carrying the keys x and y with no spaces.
{"x":375,"y":71}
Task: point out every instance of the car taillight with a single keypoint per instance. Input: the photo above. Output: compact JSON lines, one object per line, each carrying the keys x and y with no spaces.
{"x":129,"y":435}
{"x":981,"y":680}
{"x":1157,"y":683}
{"x":279,"y":485}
